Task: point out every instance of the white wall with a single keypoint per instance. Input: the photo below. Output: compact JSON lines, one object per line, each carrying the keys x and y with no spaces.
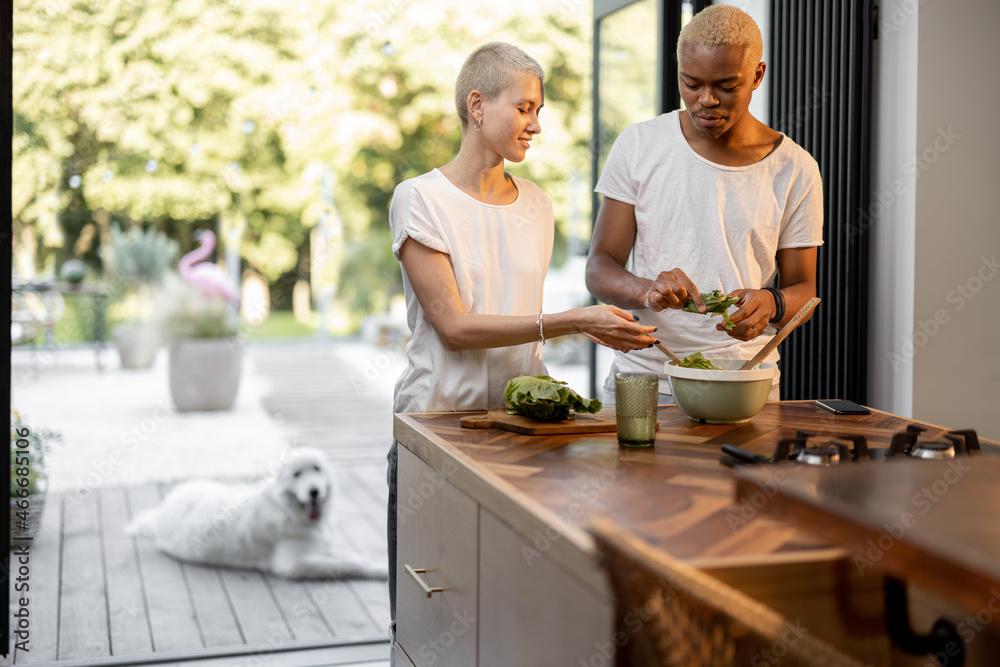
{"x":889,"y":219}
{"x":759,"y":11}
{"x":935,"y":281}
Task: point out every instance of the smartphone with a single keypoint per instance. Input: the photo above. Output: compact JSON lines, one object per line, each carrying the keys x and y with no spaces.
{"x":839,"y":407}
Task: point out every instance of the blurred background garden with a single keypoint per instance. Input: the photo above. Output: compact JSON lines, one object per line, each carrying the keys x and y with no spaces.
{"x":281,"y":127}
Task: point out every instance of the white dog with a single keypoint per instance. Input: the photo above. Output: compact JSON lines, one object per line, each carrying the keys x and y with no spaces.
{"x":281,"y":526}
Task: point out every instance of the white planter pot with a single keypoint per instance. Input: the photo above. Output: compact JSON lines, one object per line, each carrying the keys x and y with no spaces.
{"x":205,"y":373}
{"x":137,"y":343}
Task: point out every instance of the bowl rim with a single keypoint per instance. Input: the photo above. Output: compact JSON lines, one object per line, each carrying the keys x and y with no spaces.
{"x":767,"y":371}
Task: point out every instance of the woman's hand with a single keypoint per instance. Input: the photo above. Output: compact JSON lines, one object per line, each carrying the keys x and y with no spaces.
{"x":754,"y":310}
{"x":615,"y":327}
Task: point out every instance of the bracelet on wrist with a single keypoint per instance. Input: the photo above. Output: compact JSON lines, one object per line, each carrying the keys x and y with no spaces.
{"x":779,"y":304}
{"x":540,"y":323}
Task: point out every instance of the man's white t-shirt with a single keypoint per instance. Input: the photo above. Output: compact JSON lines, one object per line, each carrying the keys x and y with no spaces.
{"x":721,"y":225}
{"x":500,"y":255}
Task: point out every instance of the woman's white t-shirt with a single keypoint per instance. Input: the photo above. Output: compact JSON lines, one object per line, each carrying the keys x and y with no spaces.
{"x":500,"y":255}
{"x":722,"y":226}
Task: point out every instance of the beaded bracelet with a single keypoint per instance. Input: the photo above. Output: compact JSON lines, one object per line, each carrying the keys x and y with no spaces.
{"x":540,"y":323}
{"x":779,"y":304}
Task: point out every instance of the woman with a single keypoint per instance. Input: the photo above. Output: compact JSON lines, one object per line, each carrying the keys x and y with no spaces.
{"x":474,"y":243}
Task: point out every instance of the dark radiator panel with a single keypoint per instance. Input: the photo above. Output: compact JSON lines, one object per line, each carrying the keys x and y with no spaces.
{"x":820,"y":66}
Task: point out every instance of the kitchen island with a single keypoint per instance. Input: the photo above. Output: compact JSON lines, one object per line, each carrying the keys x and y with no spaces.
{"x":495,"y":566}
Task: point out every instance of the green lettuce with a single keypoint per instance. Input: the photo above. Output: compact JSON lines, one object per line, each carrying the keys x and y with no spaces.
{"x":716,"y":303}
{"x":696,"y":360}
{"x":543,"y":397}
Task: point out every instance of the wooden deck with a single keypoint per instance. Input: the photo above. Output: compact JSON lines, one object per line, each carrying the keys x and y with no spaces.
{"x":101,"y":597}
{"x":97,"y":593}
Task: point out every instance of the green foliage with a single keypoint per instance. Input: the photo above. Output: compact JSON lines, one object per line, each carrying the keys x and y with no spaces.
{"x":716,"y":303}
{"x":73,"y":271}
{"x":183,"y":312}
{"x":281,"y":324}
{"x":545,"y":398}
{"x":140,"y":257}
{"x":28,"y":448}
{"x":171,"y":112}
{"x":698,"y":360}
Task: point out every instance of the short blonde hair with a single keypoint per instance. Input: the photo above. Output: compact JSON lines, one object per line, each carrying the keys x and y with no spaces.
{"x":490,"y":69}
{"x":723,"y":25}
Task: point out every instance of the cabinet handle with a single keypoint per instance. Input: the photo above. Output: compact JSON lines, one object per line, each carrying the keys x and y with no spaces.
{"x":420,"y":582}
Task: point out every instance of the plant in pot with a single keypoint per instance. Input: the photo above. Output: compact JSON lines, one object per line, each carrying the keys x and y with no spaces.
{"x":139,"y":259}
{"x":28,"y":479}
{"x":200,"y":319}
{"x":73,"y":272}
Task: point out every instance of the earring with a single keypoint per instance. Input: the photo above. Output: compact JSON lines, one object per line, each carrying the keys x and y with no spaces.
{"x":479,"y":123}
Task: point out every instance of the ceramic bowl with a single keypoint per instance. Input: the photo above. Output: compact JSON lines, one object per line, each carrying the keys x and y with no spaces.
{"x":729,"y":396}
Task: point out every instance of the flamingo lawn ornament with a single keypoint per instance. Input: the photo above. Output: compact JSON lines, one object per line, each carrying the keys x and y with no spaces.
{"x":206,"y":277}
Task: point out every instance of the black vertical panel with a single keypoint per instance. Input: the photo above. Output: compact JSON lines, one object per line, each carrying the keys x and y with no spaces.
{"x":6,"y":154}
{"x":821,"y":62}
{"x":670,"y":95}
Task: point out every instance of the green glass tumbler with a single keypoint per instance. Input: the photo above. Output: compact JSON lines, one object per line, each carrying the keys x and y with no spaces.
{"x":635,"y":408}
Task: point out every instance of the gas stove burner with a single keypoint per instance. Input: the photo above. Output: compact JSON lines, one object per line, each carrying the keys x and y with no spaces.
{"x":822,"y":455}
{"x":933,"y":450}
{"x":848,"y":448}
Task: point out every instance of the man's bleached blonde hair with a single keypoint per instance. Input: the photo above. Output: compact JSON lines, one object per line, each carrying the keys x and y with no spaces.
{"x":723,"y":25}
{"x":490,"y":69}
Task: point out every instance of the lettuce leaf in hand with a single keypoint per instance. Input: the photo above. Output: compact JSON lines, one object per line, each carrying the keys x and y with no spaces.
{"x":716,"y":303}
{"x":543,"y":397}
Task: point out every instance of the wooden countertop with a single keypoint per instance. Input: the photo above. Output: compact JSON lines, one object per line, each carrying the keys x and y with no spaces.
{"x":675,"y":495}
{"x":932,"y":523}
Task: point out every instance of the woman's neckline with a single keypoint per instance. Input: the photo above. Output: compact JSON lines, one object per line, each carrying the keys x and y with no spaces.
{"x":480,"y":201}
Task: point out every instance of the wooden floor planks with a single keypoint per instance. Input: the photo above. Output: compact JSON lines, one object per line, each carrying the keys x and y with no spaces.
{"x":118,"y":596}
{"x":127,"y":618}
{"x":83,"y":617}
{"x":97,"y":592}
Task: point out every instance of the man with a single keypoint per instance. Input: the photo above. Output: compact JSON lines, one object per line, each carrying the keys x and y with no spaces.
{"x":708,"y":198}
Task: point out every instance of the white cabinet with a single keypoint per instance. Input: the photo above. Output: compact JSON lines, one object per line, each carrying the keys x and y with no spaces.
{"x":531,"y":610}
{"x":438,"y":533}
{"x":503,"y":603}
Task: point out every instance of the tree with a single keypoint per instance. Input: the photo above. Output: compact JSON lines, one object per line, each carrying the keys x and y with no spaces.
{"x":185,"y":113}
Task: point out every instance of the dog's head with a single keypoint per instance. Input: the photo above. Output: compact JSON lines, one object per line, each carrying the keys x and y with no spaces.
{"x":307,"y":480}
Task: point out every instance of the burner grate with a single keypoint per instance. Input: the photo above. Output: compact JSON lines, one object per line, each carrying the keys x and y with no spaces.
{"x":839,"y":449}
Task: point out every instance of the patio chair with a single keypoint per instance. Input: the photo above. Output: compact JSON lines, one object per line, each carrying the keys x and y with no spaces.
{"x":670,"y":614}
{"x":34,"y":309}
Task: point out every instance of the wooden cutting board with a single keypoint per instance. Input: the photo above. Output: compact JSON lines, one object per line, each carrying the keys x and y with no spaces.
{"x":601,"y":422}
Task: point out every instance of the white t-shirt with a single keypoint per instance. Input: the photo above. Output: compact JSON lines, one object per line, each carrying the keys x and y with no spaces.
{"x":721,"y":225}
{"x":500,"y":255}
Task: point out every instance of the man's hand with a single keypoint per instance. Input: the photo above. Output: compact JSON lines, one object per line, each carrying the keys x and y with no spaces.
{"x":754,"y":310}
{"x":673,"y":289}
